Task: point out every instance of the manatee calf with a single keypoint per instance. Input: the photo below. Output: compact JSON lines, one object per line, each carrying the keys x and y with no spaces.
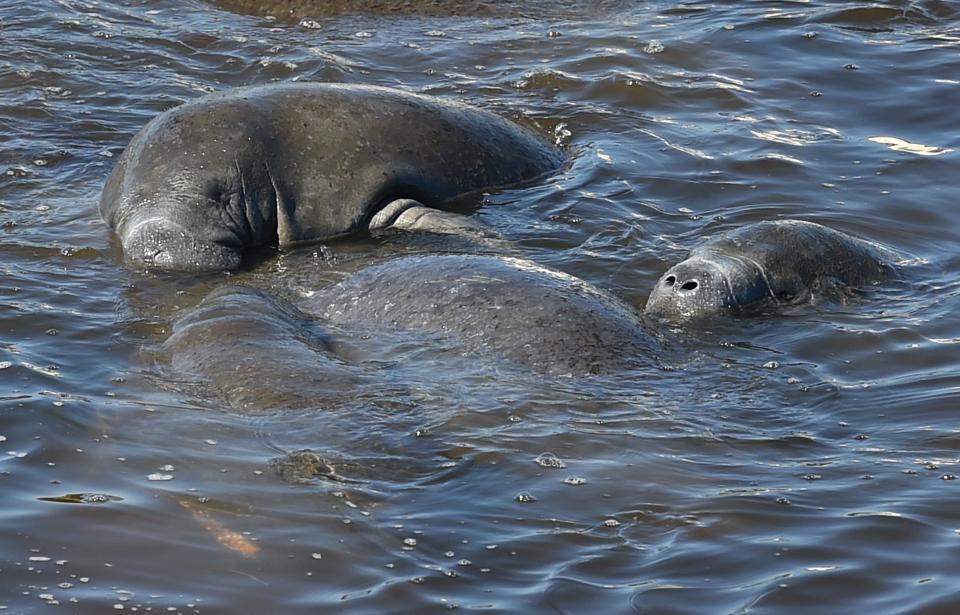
{"x":547,"y":320}
{"x":766,"y":265}
{"x":299,"y":162}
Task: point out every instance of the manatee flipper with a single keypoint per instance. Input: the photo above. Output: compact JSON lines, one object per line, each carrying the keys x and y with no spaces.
{"x":259,"y":354}
{"x":411,"y":215}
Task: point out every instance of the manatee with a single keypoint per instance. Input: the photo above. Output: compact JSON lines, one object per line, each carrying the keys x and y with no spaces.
{"x":259,"y":353}
{"x":279,"y":165}
{"x":547,"y":320}
{"x":767,"y":266}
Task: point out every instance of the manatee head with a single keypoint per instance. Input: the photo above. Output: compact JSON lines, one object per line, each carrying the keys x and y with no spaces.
{"x":707,"y":285}
{"x":160,"y":241}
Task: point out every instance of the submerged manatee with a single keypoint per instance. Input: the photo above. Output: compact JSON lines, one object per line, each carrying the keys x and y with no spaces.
{"x":766,"y":265}
{"x":258,"y":353}
{"x":298,"y":162}
{"x":545,"y":319}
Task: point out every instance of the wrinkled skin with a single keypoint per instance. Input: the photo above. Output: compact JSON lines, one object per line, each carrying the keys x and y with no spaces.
{"x":547,"y":320}
{"x":765,"y":266}
{"x":293,"y":163}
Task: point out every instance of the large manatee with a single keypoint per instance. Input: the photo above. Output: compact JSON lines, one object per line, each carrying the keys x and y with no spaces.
{"x":764,"y":266}
{"x":298,"y":162}
{"x":258,"y":352}
{"x":548,"y":320}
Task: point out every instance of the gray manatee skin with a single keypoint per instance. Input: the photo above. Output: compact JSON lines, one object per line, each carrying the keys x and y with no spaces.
{"x":259,"y":354}
{"x":300,"y":162}
{"x":764,"y":266}
{"x":547,"y":320}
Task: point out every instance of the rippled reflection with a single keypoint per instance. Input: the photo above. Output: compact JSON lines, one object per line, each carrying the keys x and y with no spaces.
{"x":793,"y":463}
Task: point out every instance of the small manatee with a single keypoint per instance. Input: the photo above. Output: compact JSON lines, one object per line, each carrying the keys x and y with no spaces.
{"x":766,"y":266}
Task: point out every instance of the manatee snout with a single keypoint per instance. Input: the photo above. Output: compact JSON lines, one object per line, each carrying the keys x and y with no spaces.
{"x":691,"y":288}
{"x":160,"y":242}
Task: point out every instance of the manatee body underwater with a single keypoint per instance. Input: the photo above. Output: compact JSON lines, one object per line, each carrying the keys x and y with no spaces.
{"x":550,"y":321}
{"x":301,"y":162}
{"x":508,"y":308}
{"x":767,"y":266}
{"x":259,"y":351}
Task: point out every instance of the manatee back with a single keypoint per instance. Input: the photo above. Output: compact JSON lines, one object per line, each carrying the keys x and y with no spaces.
{"x":539,"y":317}
{"x":796,"y":256}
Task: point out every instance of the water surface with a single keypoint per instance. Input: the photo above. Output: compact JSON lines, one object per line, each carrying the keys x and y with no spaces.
{"x":792,"y":463}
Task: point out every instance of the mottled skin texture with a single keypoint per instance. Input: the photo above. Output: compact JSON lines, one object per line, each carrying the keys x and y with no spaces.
{"x":542,"y":318}
{"x":763,"y":266}
{"x":284,"y":164}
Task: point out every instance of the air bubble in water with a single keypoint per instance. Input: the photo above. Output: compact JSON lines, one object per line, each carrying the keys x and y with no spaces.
{"x":549,"y":460}
{"x":653,"y":46}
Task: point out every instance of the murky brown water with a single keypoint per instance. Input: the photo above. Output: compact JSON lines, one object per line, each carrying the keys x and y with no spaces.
{"x":800,"y":463}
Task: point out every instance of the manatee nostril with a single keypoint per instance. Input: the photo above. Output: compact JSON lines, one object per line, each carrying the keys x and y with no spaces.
{"x":689,"y":285}
{"x":670,"y":280}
